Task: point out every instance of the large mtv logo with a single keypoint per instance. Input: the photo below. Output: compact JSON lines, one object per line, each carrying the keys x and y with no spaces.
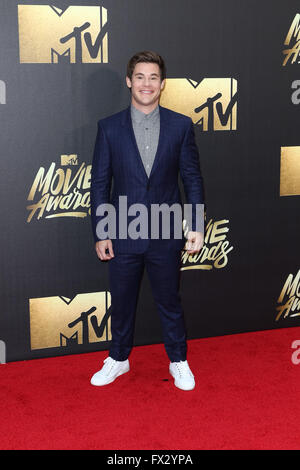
{"x":211,"y":103}
{"x":60,"y":321}
{"x":77,"y":34}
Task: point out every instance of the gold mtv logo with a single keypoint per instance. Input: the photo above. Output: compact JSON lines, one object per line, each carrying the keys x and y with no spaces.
{"x":290,"y":171}
{"x":76,"y":34}
{"x":59,"y":321}
{"x":211,"y":103}
{"x":66,"y":160}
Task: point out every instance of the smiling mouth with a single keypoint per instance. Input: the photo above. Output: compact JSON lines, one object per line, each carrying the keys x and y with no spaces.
{"x":146,"y":92}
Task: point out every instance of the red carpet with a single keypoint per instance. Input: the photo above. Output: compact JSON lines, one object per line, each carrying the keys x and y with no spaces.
{"x":247,"y":396}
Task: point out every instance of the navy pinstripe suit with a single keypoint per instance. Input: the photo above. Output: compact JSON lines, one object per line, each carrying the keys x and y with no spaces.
{"x":117,"y":159}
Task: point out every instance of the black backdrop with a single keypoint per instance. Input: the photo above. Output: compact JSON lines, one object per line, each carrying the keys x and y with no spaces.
{"x":49,"y":270}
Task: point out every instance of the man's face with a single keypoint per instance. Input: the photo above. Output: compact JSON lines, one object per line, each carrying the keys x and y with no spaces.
{"x":145,"y":85}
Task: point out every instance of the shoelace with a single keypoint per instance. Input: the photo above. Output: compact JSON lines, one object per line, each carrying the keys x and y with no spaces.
{"x":183,"y":369}
{"x":109,"y":364}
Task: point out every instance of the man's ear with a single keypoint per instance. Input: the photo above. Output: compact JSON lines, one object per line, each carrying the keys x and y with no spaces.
{"x":128,"y":82}
{"x":162,"y":85}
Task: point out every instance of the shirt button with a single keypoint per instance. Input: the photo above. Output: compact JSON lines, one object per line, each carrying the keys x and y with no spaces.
{"x":147,"y":147}
{"x":147,"y":166}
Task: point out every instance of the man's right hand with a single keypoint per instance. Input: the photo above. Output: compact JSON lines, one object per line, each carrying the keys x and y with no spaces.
{"x":101,"y":248}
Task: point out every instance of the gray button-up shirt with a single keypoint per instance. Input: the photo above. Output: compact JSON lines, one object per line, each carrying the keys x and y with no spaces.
{"x":146,"y":129}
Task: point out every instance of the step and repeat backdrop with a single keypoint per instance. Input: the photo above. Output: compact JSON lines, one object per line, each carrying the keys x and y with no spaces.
{"x":232,"y":66}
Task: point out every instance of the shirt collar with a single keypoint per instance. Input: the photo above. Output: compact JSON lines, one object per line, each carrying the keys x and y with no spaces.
{"x":138,"y":116}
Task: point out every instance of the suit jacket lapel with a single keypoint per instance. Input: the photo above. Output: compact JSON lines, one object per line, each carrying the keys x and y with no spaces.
{"x":161,"y":140}
{"x":127,"y":122}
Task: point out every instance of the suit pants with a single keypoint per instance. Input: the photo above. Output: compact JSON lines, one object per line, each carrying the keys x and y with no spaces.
{"x":125,"y":274}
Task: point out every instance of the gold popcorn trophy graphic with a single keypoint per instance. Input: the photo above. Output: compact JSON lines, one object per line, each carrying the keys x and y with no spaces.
{"x":60,"y":321}
{"x":211,"y":103}
{"x":76,"y":34}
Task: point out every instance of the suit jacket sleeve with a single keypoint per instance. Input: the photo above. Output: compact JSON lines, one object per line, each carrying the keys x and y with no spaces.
{"x":192,"y":179}
{"x":101,"y":177}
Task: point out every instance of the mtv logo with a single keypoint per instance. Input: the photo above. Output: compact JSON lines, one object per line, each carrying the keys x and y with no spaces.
{"x":211,"y":103}
{"x":76,"y":34}
{"x":290,"y":171}
{"x":60,"y":321}
{"x":2,"y":92}
{"x":66,"y":160}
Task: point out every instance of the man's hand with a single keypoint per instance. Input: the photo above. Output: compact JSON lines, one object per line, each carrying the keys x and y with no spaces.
{"x":194,"y":242}
{"x":101,"y":248}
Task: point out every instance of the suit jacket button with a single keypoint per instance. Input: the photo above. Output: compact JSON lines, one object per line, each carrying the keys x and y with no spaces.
{"x":148,"y":186}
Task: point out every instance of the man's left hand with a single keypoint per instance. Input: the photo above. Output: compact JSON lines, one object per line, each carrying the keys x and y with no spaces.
{"x":194,"y":242}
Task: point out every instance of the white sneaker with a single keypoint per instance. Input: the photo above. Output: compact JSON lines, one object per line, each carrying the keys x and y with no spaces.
{"x":110,"y":371}
{"x":184,"y":379}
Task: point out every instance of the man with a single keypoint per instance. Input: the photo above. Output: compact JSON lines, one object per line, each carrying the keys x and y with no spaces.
{"x":142,"y":149}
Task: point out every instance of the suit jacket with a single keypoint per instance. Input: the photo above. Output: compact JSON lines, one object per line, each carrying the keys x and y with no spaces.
{"x":117,"y":159}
